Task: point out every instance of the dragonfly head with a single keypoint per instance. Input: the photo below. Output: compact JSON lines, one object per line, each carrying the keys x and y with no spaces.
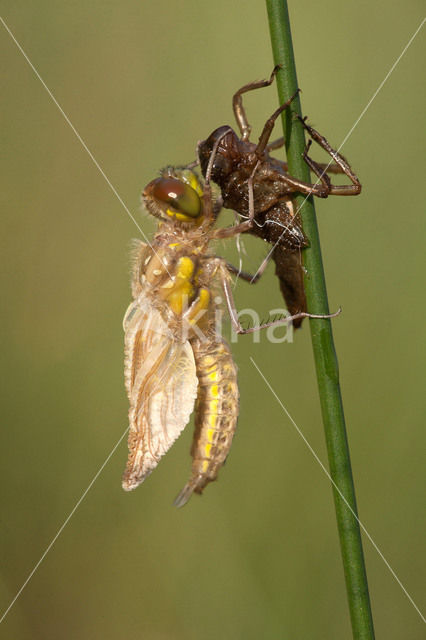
{"x":175,"y":196}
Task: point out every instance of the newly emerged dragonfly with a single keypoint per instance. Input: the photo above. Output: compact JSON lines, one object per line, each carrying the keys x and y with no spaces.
{"x":259,"y":188}
{"x":174,"y":355}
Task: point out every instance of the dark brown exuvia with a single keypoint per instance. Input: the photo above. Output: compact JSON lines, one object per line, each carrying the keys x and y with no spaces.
{"x":259,"y":188}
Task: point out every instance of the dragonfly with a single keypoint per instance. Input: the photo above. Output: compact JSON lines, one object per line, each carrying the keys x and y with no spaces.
{"x":260,"y":189}
{"x":175,"y":357}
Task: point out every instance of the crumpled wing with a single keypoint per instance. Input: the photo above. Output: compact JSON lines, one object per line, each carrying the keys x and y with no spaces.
{"x":161,"y":383}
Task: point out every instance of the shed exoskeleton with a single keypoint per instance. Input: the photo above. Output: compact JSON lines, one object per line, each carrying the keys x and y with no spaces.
{"x":259,"y":188}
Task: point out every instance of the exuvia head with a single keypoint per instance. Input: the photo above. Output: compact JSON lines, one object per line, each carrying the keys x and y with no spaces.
{"x":223,"y":143}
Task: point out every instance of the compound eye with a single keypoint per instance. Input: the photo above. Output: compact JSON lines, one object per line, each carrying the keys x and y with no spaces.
{"x":178,"y":195}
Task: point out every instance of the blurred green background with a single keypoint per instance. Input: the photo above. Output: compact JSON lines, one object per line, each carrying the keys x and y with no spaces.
{"x":258,"y":554}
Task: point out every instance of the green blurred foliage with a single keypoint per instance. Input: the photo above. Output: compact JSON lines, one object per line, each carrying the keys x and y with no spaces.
{"x":257,"y":555}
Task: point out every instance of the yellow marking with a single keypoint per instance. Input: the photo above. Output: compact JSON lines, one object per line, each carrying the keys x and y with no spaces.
{"x":180,"y":289}
{"x":199,"y":305}
{"x":213,"y":376}
{"x":184,"y":218}
{"x":210,"y":432}
{"x":173,"y":245}
{"x":213,"y":405}
{"x":209,"y":371}
{"x":172,"y":213}
{"x":205,"y":466}
{"x":214,"y":390}
{"x":185,"y":268}
{"x":195,"y":184}
{"x":204,"y":296}
{"x":179,"y":295}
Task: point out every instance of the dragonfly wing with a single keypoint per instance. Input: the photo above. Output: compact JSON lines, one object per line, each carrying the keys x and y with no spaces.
{"x":162,"y":385}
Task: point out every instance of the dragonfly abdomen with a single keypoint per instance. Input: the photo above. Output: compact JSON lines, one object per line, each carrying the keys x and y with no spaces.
{"x":216,"y":414}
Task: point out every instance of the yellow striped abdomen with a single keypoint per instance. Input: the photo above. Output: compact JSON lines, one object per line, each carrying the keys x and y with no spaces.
{"x":216,"y":414}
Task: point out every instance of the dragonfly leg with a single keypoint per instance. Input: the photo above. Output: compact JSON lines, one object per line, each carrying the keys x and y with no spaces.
{"x":329,"y":168}
{"x":335,"y":190}
{"x":236,"y":325}
{"x":319,"y":172}
{"x":276,"y":144}
{"x":269,"y":125}
{"x":237,"y":102}
{"x":250,"y":277}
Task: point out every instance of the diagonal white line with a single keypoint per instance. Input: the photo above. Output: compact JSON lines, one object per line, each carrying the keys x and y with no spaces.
{"x":363,"y":112}
{"x":317,"y":458}
{"x":74,"y":130}
{"x":68,"y":518}
{"x":381,"y":84}
{"x":62,"y":527}
{"x":83,"y":144}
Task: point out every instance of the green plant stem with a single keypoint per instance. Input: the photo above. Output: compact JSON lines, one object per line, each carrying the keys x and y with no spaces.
{"x":322,"y":338}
